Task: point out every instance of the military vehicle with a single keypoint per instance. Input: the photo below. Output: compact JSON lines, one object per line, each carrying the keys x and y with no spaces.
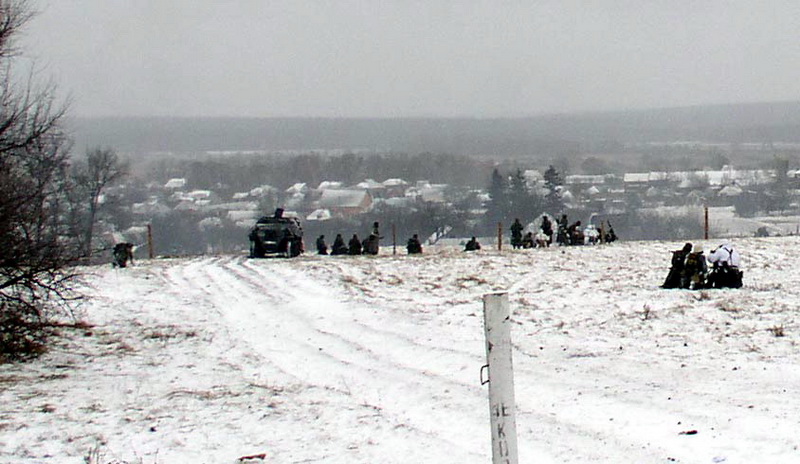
{"x":276,"y":236}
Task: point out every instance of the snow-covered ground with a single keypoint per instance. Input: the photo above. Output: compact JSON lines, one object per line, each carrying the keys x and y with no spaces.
{"x":377,"y":360}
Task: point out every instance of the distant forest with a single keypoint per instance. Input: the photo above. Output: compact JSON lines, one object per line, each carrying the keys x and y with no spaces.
{"x":544,"y":137}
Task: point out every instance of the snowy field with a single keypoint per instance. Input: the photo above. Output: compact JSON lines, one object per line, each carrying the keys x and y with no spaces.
{"x":377,"y":360}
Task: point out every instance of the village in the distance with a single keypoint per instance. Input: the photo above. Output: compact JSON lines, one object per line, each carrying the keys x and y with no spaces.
{"x":207,"y":203}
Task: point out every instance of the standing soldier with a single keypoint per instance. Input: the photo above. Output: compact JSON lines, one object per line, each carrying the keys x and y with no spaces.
{"x":322,"y":247}
{"x":373,"y":241}
{"x":516,"y":234}
{"x":547,"y":228}
{"x":561,"y":236}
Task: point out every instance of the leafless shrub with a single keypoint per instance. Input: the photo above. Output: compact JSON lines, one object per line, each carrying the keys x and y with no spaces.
{"x":727,"y":307}
{"x":348,"y":279}
{"x":777,"y":331}
{"x":646,"y":312}
{"x":703,"y":296}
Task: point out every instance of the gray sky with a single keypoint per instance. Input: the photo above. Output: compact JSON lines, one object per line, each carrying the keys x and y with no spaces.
{"x":387,"y":58}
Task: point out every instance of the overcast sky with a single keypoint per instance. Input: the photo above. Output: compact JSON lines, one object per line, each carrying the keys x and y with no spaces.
{"x":399,"y":58}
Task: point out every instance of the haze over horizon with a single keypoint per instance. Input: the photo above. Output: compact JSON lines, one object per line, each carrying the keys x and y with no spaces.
{"x":357,"y":59}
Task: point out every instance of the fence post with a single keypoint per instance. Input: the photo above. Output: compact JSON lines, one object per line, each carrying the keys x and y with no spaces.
{"x":394,"y":239}
{"x":502,"y":406}
{"x":499,"y":236}
{"x":149,"y":241}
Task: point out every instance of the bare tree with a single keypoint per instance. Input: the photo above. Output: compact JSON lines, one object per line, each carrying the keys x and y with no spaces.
{"x":13,"y":16}
{"x":101,"y":168}
{"x":34,"y":254}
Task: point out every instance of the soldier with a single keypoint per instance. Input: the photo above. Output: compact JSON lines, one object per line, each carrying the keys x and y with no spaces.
{"x":725,"y":273}
{"x":541,"y":240}
{"x":290,"y":244}
{"x":339,"y":247}
{"x":675,"y":274}
{"x":516,"y":234}
{"x":527,"y":240}
{"x":354,"y":247}
{"x":322,"y":247}
{"x":371,"y":245}
{"x":472,"y":245}
{"x":591,"y":235}
{"x":414,"y":246}
{"x":561,"y":236}
{"x":695,"y":270}
{"x":610,"y":235}
{"x":374,"y":243}
{"x":547,"y":229}
{"x":123,"y":252}
{"x":575,"y":234}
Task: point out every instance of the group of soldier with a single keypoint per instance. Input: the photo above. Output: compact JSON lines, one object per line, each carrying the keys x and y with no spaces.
{"x":368,"y":246}
{"x":690,"y":268}
{"x":565,"y":234}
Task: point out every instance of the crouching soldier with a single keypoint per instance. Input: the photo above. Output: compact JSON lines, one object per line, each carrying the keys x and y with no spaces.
{"x":541,"y":239}
{"x":414,"y":246}
{"x":725,"y":273}
{"x":472,"y":245}
{"x":354,"y":246}
{"x":339,"y":247}
{"x":527,"y":240}
{"x":575,"y":234}
{"x":674,"y":277}
{"x":695,"y":270}
{"x":371,"y":245}
{"x":123,"y":252}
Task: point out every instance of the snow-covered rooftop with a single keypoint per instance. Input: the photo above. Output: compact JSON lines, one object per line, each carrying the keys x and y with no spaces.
{"x":175,"y":183}
{"x":342,"y":198}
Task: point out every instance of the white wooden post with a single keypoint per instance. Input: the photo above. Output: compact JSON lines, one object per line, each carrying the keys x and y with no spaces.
{"x":502,"y":407}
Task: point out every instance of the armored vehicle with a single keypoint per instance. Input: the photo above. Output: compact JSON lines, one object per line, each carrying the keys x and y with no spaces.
{"x":276,"y":236}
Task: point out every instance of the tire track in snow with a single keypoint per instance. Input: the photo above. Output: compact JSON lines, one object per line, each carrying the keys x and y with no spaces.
{"x":190,"y":278}
{"x":410,"y":400}
{"x":603,"y":392}
{"x":413,"y":348}
{"x":580,"y":438}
